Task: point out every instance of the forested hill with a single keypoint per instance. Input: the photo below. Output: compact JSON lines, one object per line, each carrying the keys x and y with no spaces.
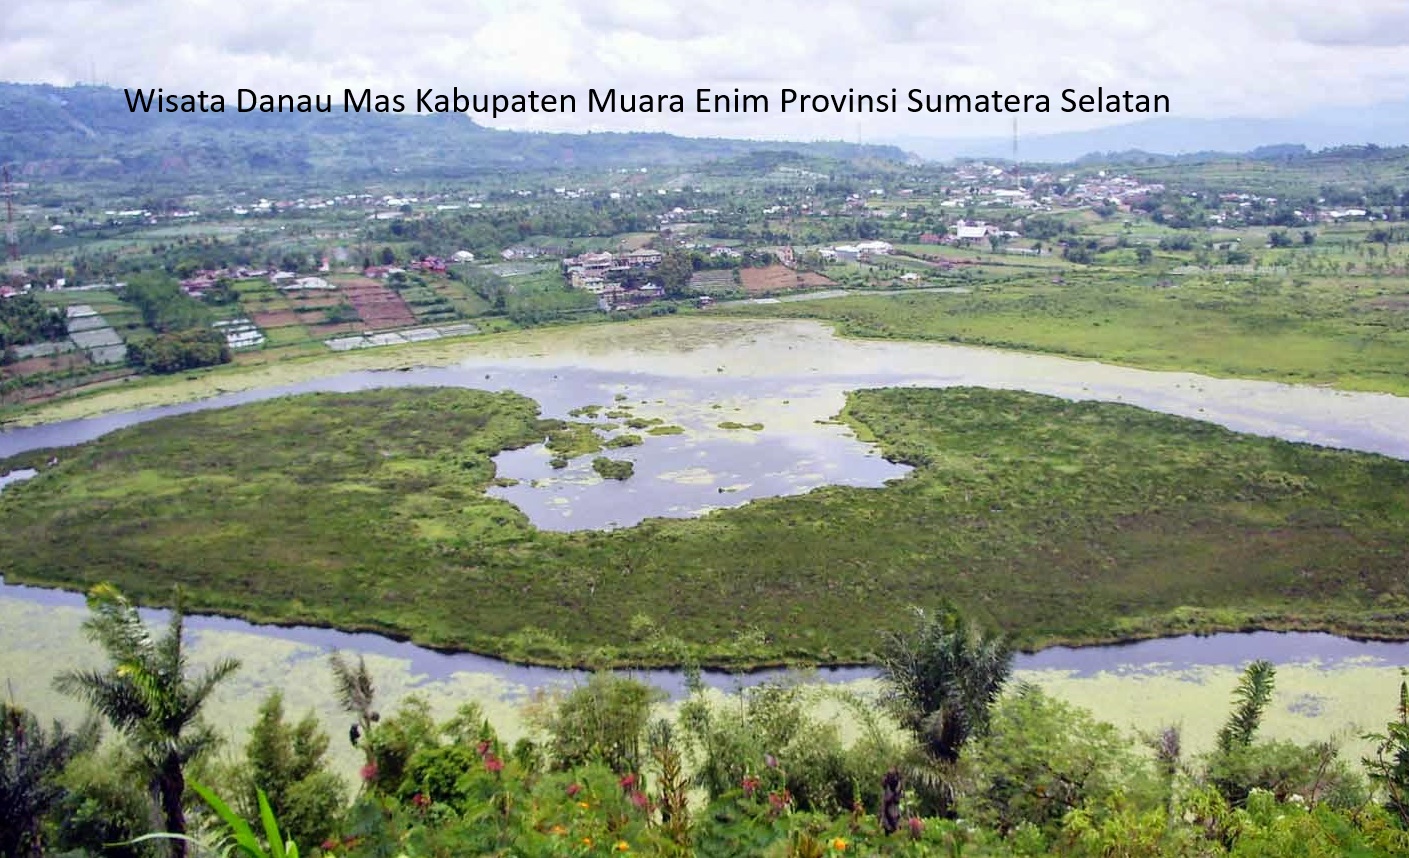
{"x":89,"y":132}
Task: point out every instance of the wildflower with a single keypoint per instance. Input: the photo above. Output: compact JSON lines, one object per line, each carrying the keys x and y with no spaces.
{"x":628,"y":781}
{"x":586,"y":841}
{"x":750,"y":784}
{"x":770,"y":761}
{"x":917,"y":827}
{"x":574,"y":789}
{"x":622,"y":846}
{"x":557,"y":831}
{"x":482,"y":747}
{"x":330,"y":844}
{"x":493,"y":763}
{"x":639,"y":799}
{"x":421,"y":800}
{"x":584,"y":805}
{"x":369,"y":772}
{"x":839,"y":844}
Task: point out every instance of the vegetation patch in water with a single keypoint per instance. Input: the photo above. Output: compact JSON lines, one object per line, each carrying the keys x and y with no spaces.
{"x":613,"y":469}
{"x":1060,"y":521}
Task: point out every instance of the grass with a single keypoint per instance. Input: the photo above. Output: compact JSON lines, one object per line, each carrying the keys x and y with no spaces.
{"x":1062,"y":522}
{"x":613,"y":469}
{"x":1324,"y":331}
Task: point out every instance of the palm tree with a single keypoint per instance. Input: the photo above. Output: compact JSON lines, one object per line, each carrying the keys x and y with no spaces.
{"x":942,"y":679}
{"x":146,"y":695}
{"x":357,"y":694}
{"x":31,"y":760}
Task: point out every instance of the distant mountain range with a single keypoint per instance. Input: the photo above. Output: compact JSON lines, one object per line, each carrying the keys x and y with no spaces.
{"x":89,"y":132}
{"x":1383,"y":125}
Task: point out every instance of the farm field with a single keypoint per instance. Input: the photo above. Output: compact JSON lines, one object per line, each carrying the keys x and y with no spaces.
{"x":1059,"y":521}
{"x":779,"y":278}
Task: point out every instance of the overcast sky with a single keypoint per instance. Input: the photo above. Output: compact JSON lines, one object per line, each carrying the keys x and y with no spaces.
{"x":1213,"y":58}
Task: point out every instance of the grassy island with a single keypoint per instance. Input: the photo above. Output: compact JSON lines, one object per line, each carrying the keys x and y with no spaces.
{"x":1059,"y":521}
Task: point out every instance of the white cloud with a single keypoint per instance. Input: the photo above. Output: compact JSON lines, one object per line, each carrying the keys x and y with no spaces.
{"x":1212,"y":58}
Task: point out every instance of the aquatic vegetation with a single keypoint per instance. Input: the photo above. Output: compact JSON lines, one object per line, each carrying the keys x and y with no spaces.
{"x":613,"y":469}
{"x":1060,"y":521}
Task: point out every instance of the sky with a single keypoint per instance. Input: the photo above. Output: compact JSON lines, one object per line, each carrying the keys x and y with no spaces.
{"x":1212,"y":58}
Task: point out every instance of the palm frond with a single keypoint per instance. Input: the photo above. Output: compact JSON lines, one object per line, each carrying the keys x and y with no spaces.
{"x":115,"y":625}
{"x":114,"y":697}
{"x":196,"y":691}
{"x":353,"y":685}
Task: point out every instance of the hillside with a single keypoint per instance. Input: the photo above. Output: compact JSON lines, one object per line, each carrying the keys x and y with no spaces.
{"x":88,"y":132}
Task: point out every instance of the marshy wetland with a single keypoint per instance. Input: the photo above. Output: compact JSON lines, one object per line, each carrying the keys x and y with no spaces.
{"x":1063,"y":514}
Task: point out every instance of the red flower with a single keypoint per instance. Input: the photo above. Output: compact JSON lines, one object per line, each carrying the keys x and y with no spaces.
{"x":917,"y":827}
{"x":628,"y":782}
{"x":639,"y":799}
{"x":493,"y":763}
{"x":369,"y":772}
{"x":483,"y":748}
{"x":750,"y":784}
{"x":573,"y":790}
{"x":421,"y":800}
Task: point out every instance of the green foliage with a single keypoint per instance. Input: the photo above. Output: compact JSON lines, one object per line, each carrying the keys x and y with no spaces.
{"x":1064,"y":521}
{"x":1312,"y":773}
{"x":1239,"y":766}
{"x":942,"y":678}
{"x":1250,"y":699}
{"x":24,"y":320}
{"x":1389,"y":768}
{"x":164,"y":307}
{"x":32,"y":761}
{"x":287,"y":763}
{"x":1043,"y":758}
{"x":148,"y":695}
{"x":395,"y":741}
{"x":613,"y":469}
{"x":179,"y":351}
{"x":602,"y":720}
{"x":106,"y":801}
{"x":675,"y":270}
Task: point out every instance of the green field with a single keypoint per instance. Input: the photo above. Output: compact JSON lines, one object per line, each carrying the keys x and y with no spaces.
{"x":1060,"y":521}
{"x":1321,"y":331}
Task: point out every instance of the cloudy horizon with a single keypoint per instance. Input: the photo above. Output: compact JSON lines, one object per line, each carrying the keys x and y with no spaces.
{"x":1250,"y":59}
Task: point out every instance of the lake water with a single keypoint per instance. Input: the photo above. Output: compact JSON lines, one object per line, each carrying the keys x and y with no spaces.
{"x":792,"y":378}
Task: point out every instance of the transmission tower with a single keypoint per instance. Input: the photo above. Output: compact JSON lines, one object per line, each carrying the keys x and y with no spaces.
{"x":12,"y":236}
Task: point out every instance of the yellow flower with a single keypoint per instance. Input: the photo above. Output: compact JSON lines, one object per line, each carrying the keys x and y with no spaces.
{"x":557,"y":831}
{"x":584,"y":805}
{"x":623,"y":846}
{"x":839,"y":844}
{"x":586,"y":841}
